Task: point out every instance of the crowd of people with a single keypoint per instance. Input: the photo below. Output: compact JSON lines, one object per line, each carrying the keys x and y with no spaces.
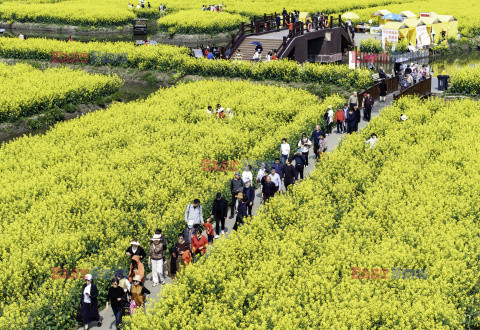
{"x":219,"y":111}
{"x":128,"y":293}
{"x":217,"y":8}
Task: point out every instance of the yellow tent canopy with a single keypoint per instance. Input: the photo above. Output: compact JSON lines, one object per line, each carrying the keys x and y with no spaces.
{"x":428,"y":21}
{"x":381,"y":13}
{"x":408,"y":14}
{"x":303,"y":16}
{"x":394,"y":26}
{"x":412,"y":22}
{"x":445,"y":18}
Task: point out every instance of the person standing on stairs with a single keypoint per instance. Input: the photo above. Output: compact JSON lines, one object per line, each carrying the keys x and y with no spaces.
{"x":236,"y":186}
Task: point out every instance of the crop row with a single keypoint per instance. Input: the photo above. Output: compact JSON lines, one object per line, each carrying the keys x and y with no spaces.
{"x":27,"y":91}
{"x":172,"y":58}
{"x":410,"y":202}
{"x":75,"y":197}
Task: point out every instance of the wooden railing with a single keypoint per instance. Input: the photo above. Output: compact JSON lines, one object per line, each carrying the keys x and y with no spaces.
{"x":267,"y":23}
{"x":422,"y":88}
{"x":374,"y":91}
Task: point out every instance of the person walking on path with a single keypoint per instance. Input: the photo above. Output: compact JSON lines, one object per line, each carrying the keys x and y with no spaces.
{"x":219,"y":213}
{"x":242,"y":211}
{"x":284,"y":150}
{"x":199,"y":243}
{"x":339,"y":119}
{"x":236,"y":186}
{"x":249,"y":192}
{"x":116,"y":298}
{"x":358,"y":117}
{"x":90,"y":302}
{"x":353,"y":100}
{"x":289,"y":174}
{"x":314,"y":137}
{"x":351,"y":121}
{"x":194,"y":213}
{"x":367,"y":107}
{"x":209,"y":230}
{"x":135,"y":250}
{"x":136,"y":268}
{"x":275,"y":178}
{"x":247,"y":175}
{"x":277,"y":21}
{"x":269,"y":189}
{"x":329,"y":119}
{"x":261,"y":173}
{"x":278,"y":167}
{"x":189,"y":232}
{"x":139,"y":294}
{"x":383,"y":90}
{"x":322,"y":146}
{"x":155,"y":258}
{"x":304,"y":144}
{"x":299,"y":158}
{"x":175,"y":262}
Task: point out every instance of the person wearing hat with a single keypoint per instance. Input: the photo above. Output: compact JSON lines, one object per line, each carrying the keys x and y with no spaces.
{"x":236,"y":186}
{"x":155,"y":257}
{"x":194,"y":212}
{"x":135,"y":250}
{"x":219,"y":213}
{"x":139,"y":293}
{"x":90,"y":302}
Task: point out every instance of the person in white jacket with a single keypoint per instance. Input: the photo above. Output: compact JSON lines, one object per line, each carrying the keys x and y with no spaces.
{"x":247,"y":175}
{"x":304,"y":144}
{"x":194,"y":213}
{"x":284,"y":151}
{"x":276,"y":179}
{"x":329,"y":120}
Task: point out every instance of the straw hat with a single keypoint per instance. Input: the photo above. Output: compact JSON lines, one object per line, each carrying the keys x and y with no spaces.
{"x":156,"y":237}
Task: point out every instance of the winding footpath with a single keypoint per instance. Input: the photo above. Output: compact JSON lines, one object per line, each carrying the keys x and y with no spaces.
{"x":108,"y":320}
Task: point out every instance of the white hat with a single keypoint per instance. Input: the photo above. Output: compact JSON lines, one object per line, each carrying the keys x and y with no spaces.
{"x":156,"y":237}
{"x":403,"y":117}
{"x":190,"y":223}
{"x":135,"y":243}
{"x":88,"y":277}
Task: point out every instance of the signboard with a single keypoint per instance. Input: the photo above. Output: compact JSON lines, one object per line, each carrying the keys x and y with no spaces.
{"x":390,"y":36}
{"x":422,"y":36}
{"x":422,"y":15}
{"x":352,"y":59}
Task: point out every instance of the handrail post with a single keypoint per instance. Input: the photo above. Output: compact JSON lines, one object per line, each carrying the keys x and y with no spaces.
{"x":301,"y":26}
{"x":331,"y":22}
{"x":243,"y":28}
{"x":339,"y":20}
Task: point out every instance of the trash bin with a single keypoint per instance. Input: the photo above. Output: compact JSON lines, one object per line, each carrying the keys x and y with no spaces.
{"x":442,"y":82}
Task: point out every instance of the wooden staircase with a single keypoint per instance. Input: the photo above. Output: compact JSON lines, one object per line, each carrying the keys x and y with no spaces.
{"x":268,"y":44}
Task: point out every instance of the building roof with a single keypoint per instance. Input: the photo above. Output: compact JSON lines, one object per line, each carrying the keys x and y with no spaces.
{"x":408,"y":14}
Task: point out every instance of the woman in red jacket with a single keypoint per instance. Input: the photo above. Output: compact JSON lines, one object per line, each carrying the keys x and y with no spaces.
{"x":339,"y":119}
{"x":199,"y":243}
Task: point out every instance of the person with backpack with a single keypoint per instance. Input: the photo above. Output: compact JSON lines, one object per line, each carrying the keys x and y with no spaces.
{"x":194,"y":213}
{"x":299,"y":158}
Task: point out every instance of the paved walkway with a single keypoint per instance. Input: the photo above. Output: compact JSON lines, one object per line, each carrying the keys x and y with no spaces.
{"x":332,"y":141}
